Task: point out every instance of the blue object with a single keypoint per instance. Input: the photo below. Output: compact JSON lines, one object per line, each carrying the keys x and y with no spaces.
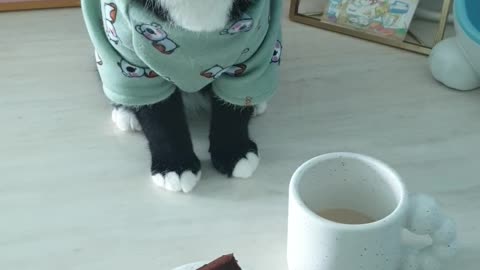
{"x":468,"y":17}
{"x":456,"y":61}
{"x":399,"y":7}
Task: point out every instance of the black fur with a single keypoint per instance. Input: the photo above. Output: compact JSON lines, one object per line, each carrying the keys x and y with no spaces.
{"x":238,"y":8}
{"x":229,"y":138}
{"x":165,"y":127}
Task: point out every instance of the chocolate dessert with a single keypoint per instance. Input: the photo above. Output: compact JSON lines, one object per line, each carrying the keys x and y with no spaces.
{"x":226,"y":262}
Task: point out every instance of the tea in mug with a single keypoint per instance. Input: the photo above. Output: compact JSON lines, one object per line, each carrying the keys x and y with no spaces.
{"x":345,"y":216}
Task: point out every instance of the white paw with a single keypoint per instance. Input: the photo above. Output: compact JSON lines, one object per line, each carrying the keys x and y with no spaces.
{"x":177,"y":183}
{"x":125,"y":119}
{"x":246,"y":166}
{"x":260,"y":109}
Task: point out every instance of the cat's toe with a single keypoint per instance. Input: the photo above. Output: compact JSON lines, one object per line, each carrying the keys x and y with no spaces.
{"x":159,"y":180}
{"x":174,"y":182}
{"x":245,"y":167}
{"x":189,"y":180}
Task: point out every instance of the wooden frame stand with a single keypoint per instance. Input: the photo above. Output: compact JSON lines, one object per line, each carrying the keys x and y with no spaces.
{"x":417,"y":47}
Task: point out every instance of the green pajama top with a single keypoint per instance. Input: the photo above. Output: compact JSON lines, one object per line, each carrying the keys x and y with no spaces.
{"x":142,"y":59}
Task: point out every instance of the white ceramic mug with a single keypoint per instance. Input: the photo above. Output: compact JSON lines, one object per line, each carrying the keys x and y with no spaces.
{"x":363,"y":184}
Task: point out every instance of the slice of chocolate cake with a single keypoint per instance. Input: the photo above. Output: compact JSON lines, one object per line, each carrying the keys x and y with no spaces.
{"x":226,"y":262}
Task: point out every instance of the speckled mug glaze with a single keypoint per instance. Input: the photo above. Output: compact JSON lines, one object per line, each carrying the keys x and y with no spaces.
{"x":364,"y":184}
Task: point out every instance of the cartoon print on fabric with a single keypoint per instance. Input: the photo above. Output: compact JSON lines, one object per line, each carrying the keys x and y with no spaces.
{"x":150,"y":73}
{"x":110,"y":18}
{"x":158,"y":37}
{"x":236,"y":70}
{"x":243,"y":25}
{"x":133,"y":71}
{"x":217,"y":71}
{"x":277,"y":53}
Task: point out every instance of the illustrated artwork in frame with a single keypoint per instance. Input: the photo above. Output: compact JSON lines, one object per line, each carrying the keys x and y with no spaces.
{"x":395,"y":23}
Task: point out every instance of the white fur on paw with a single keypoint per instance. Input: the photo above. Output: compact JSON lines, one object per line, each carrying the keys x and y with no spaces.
{"x":246,"y":166}
{"x":175,"y":183}
{"x":172,"y":182}
{"x":125,"y":120}
{"x":260,"y":109}
{"x":189,"y":180}
{"x":158,"y":180}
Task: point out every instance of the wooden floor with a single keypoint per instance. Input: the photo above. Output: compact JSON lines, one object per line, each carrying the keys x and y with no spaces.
{"x":75,"y":193}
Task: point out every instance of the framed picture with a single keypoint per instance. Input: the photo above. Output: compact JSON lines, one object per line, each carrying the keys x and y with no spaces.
{"x":12,"y":5}
{"x":386,"y":18}
{"x":389,"y":22}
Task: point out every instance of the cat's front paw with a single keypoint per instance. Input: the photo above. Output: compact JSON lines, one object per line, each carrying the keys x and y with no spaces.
{"x":260,"y":109}
{"x":180,"y":176}
{"x":125,"y":119}
{"x":245,"y":167}
{"x":239,"y":161}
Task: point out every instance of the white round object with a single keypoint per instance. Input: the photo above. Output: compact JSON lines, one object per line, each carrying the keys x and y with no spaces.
{"x":455,"y":61}
{"x":424,"y":214}
{"x":450,"y":66}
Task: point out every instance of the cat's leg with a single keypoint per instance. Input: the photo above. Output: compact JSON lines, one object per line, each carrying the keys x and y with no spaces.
{"x":175,"y":166}
{"x":233,"y":152}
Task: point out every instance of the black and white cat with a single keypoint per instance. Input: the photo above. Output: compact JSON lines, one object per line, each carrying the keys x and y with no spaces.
{"x":175,"y":166}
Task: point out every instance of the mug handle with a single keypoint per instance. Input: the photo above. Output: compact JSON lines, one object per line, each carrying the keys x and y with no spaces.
{"x":425,"y":218}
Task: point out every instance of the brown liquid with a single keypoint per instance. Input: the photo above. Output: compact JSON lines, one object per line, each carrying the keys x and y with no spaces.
{"x":345,"y":216}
